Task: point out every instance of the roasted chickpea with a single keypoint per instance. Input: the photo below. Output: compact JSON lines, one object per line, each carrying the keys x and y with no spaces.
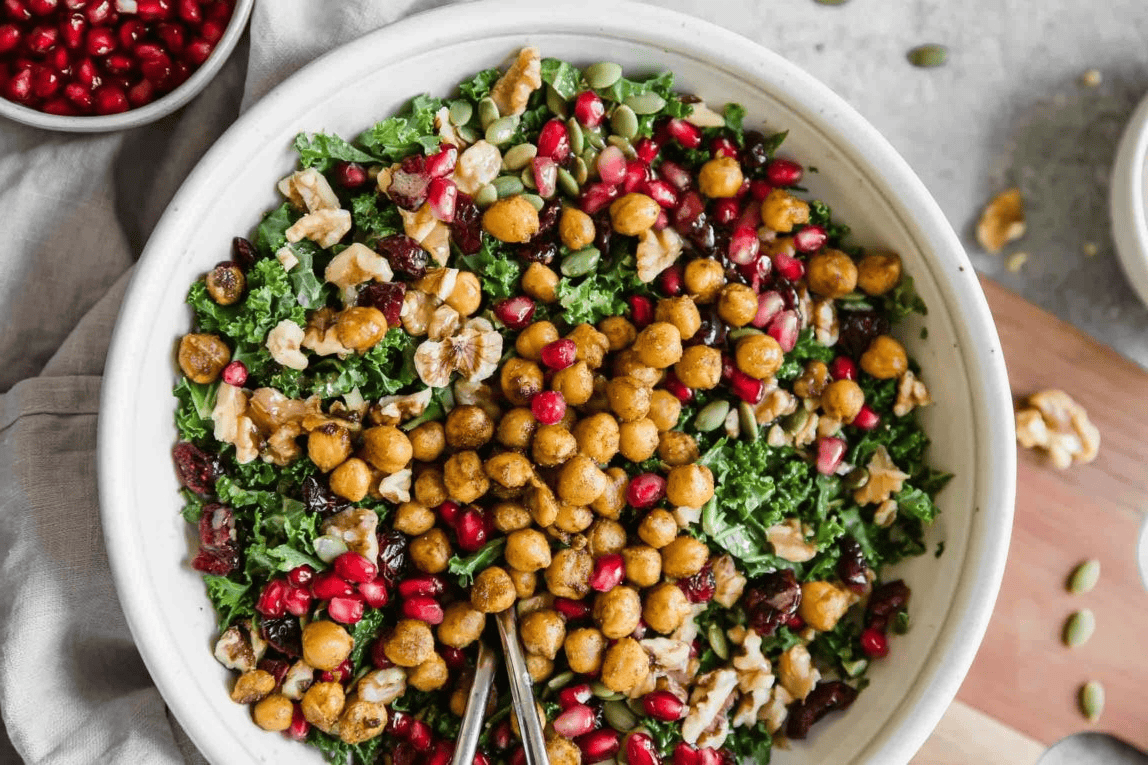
{"x":527,"y":550}
{"x":553,"y":445}
{"x":878,"y":272}
{"x":225,"y":283}
{"x":704,"y":278}
{"x":682,"y":312}
{"x":387,"y":448}
{"x":812,"y":380}
{"x":468,"y":427}
{"x":540,"y":283}
{"x":492,"y":591}
{"x":461,"y":625}
{"x":520,"y":380}
{"x":516,"y":428}
{"x":568,"y":575}
{"x":685,"y":556}
{"x":626,"y":665}
{"x":658,"y":528}
{"x":510,"y":516}
{"x":509,"y":469}
{"x":525,"y":582}
{"x":781,"y":211}
{"x":665,"y":409}
{"x":575,"y":383}
{"x":413,"y":519}
{"x":580,"y":481}
{"x":430,"y":490}
{"x":573,"y":519}
{"x":251,"y":686}
{"x":464,"y":477}
{"x":737,"y":304}
{"x":273,"y":713}
{"x":328,"y":445}
{"x":362,"y":720}
{"x":562,"y":751}
{"x":351,"y":480}
{"x":512,"y":219}
{"x":431,"y":675}
{"x":759,"y":356}
{"x":430,"y":551}
{"x":605,"y":537}
{"x":466,"y":295}
{"x":690,"y":485}
{"x":619,"y":332}
{"x":659,"y":345}
{"x":326,"y":644}
{"x":409,"y":644}
{"x":427,"y":441}
{"x":638,"y":439}
{"x":666,"y":607}
{"x":643,"y":565}
{"x":322,"y":704}
{"x":627,"y":364}
{"x":202,"y":357}
{"x":597,"y":437}
{"x":584,"y":650}
{"x":677,"y":448}
{"x":823,"y":604}
{"x":885,"y":358}
{"x":539,"y":668}
{"x":633,"y":214}
{"x":831,"y":274}
{"x":720,"y":177}
{"x":618,"y":611}
{"x":613,"y":498}
{"x":843,"y":399}
{"x":629,"y":398}
{"x":590,"y":345}
{"x":533,"y":339}
{"x":542,"y":632}
{"x":575,"y":228}
{"x":700,"y":367}
{"x":360,"y":328}
{"x":543,"y":505}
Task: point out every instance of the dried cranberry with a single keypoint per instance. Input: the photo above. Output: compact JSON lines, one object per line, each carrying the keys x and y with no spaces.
{"x":243,"y":253}
{"x":350,"y":175}
{"x":385,"y":296}
{"x":771,"y":599}
{"x":392,"y":559}
{"x":276,"y":667}
{"x":196,"y":469}
{"x":754,"y":155}
{"x":851,"y":568}
{"x":712,"y":332}
{"x":825,"y":698}
{"x":409,"y":183}
{"x":466,"y":228}
{"x":539,"y":250}
{"x":885,"y":603}
{"x":603,"y":232}
{"x":548,"y":217}
{"x":284,"y":635}
{"x":220,"y":561}
{"x":318,"y":498}
{"x":858,"y":328}
{"x":404,"y":254}
{"x":216,"y":526}
{"x":700,"y":587}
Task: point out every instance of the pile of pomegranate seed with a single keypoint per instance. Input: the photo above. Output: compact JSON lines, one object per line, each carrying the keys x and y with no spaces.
{"x":85,"y":57}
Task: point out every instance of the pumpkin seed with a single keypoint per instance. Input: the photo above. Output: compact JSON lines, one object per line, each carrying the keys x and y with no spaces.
{"x":486,"y":196}
{"x":507,"y":186}
{"x":1079,"y":628}
{"x":732,"y":424}
{"x":460,"y":112}
{"x":466,"y":133}
{"x":646,"y":103}
{"x":580,"y":263}
{"x":600,"y":691}
{"x":581,"y":171}
{"x":717,"y":639}
{"x":558,"y":682}
{"x":619,"y":717}
{"x":590,"y":159}
{"x":555,"y":102}
{"x":855,"y":668}
{"x":855,"y":478}
{"x":594,"y":138}
{"x":527,"y":177}
{"x":626,"y":147}
{"x":574,"y":131}
{"x":487,"y":112}
{"x":793,"y":423}
{"x":327,"y":548}
{"x":566,"y":183}
{"x":535,"y":201}
{"x":603,"y":74}
{"x":747,"y":418}
{"x":624,"y":122}
{"x":711,"y":416}
{"x":1084,"y":577}
{"x":1092,"y":700}
{"x":502,"y":130}
{"x":518,"y":157}
{"x":741,"y":332}
{"x":927,"y":56}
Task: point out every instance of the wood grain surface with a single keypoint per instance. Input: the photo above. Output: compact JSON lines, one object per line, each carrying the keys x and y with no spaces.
{"x":1021,"y":691}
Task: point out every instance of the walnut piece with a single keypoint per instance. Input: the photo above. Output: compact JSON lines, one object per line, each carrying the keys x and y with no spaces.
{"x":446,"y":130}
{"x":477,"y":166}
{"x":754,"y":679}
{"x":473,"y":352}
{"x":776,"y":711}
{"x":286,"y":257}
{"x":323,"y":227}
{"x":320,"y":335}
{"x":707,"y":702}
{"x":396,"y":487}
{"x":886,"y":513}
{"x":657,"y":251}
{"x":284,"y":342}
{"x":391,"y":410}
{"x":356,"y":527}
{"x":418,"y":309}
{"x":431,"y":233}
{"x":383,"y":685}
{"x":911,"y":393}
{"x":776,"y":403}
{"x":309,"y":190}
{"x":355,"y":265}
{"x":885,"y":479}
{"x":729,"y":584}
{"x":1055,"y":422}
{"x":1002,"y":221}
{"x":235,"y":651}
{"x":444,"y":322}
{"x":826,"y":328}
{"x":788,"y":540}
{"x":467,"y":393}
{"x":438,"y":282}
{"x":233,"y":423}
{"x":795,"y":671}
{"x":512,"y":90}
{"x":297,"y":680}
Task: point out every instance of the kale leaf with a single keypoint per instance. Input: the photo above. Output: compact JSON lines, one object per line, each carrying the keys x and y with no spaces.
{"x":499,"y":273}
{"x":466,"y":568}
{"x":412,"y":131}
{"x":322,"y":150}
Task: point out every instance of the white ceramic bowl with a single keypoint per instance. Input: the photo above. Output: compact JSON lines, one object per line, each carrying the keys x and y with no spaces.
{"x":161,"y":107}
{"x":866,"y":182}
{"x":1128,"y":201}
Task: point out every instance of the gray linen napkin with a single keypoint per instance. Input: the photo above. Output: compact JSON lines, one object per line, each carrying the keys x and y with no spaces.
{"x":77,"y":213}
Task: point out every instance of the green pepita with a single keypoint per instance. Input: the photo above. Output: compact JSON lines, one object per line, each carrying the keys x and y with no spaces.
{"x":618,"y":716}
{"x":741,"y":332}
{"x":1084,"y":577}
{"x":747,"y":418}
{"x":712,"y":416}
{"x":590,"y":159}
{"x":501,"y":130}
{"x":574,"y":131}
{"x":1079,"y":628}
{"x":1092,"y":700}
{"x":792,"y":423}
{"x":581,"y":263}
{"x":602,"y":692}
{"x":527,"y":177}
{"x":626,"y":147}
{"x":560,"y":681}
{"x":566,"y":183}
{"x":466,"y":133}
{"x":718,"y":641}
{"x":460,"y":112}
{"x":507,"y":186}
{"x":928,"y":55}
{"x":624,"y":122}
{"x":487,"y":112}
{"x":486,"y":196}
{"x":581,"y":171}
{"x":535,"y":201}
{"x":855,"y":478}
{"x":555,"y":102}
{"x":856,"y":667}
{"x":646,"y":103}
{"x":518,"y":157}
{"x":594,"y":138}
{"x":603,"y":74}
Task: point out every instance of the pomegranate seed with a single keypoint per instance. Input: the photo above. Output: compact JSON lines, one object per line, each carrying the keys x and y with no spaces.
{"x":559,"y":354}
{"x":119,"y":63}
{"x":545,"y":176}
{"x":16,"y":10}
{"x":272,"y":600}
{"x":684,"y":754}
{"x":663,"y":705}
{"x":709,"y":756}
{"x":100,"y":42}
{"x":727,"y":367}
{"x":100,"y":12}
{"x":647,"y":149}
{"x":502,"y":735}
{"x":441,"y":754}
{"x":874,"y":643}
{"x":677,"y":388}
{"x":350,"y":175}
{"x":298,"y":601}
{"x":110,"y":99}
{"x":725,"y":211}
{"x":441,"y":196}
{"x":143,"y":92}
{"x":548,"y":407}
{"x":843,"y":368}
{"x":73,"y":32}
{"x":671,"y":281}
{"x":788,"y":266}
{"x":554,"y":141}
{"x":641,"y":311}
{"x":573,"y":695}
{"x":42,"y":40}
{"x":61,"y":106}
{"x":235,"y":374}
{"x":156,"y":70}
{"x":599,"y":745}
{"x":301,"y":576}
{"x":374,"y":593}
{"x":423,"y":608}
{"x":355,"y":568}
{"x":609,"y":571}
{"x":378,"y":656}
{"x":759,"y":189}
{"x":646,"y":489}
{"x":399,"y":724}
{"x":747,"y":388}
{"x":329,"y":585}
{"x":345,"y":609}
{"x":449,"y":512}
{"x":575,"y":721}
{"x":783,"y":172}
{"x":153,"y":10}
{"x":42,"y":7}
{"x":87,"y":75}
{"x":769,"y":305}
{"x":689,"y":208}
{"x":661,"y":192}
{"x":795,"y":622}
{"x":338,"y":674}
{"x":810,"y":239}
{"x":640,"y":749}
{"x":45,"y":82}
{"x":661,"y":221}
{"x":453,"y":657}
{"x":572,"y":609}
{"x":516,"y":312}
{"x":689,"y":136}
{"x":518,"y":756}
{"x":830,"y":451}
{"x":471,"y":530}
{"x":419,"y":735}
{"x":744,"y":246}
{"x":480,"y":759}
{"x":611,"y":165}
{"x":637,"y":175}
{"x":172,"y":35}
{"x":190,"y":11}
{"x":596,"y":196}
{"x":197,"y":51}
{"x":78,"y":95}
{"x":212,"y":31}
{"x":866,"y":419}
{"x":424,"y":585}
{"x":441,"y":164}
{"x":678,"y":176}
{"x":220,"y":11}
{"x":723,"y":147}
{"x":784,"y":329}
{"x":299,"y":727}
{"x":589,"y":109}
{"x":639,"y":632}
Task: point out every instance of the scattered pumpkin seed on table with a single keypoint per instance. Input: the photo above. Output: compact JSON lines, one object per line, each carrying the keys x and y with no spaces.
{"x":1079,"y":628}
{"x":1092,"y":700}
{"x":927,"y":56}
{"x":1084,"y":577}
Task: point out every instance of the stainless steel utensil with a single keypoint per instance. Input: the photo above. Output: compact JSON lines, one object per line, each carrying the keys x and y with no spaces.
{"x":472,"y":720}
{"x":521,"y":691}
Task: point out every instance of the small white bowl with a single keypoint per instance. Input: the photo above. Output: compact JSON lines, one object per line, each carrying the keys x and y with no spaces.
{"x":1128,"y":201}
{"x":161,"y":107}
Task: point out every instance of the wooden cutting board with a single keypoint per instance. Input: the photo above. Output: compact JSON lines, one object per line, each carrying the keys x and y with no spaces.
{"x":1020,"y":695}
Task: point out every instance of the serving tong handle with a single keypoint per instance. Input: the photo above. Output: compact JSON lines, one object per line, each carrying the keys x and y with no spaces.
{"x":472,"y":720}
{"x":521,"y":689}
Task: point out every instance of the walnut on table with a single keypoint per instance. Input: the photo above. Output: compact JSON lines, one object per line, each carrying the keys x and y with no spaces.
{"x":1055,"y":423}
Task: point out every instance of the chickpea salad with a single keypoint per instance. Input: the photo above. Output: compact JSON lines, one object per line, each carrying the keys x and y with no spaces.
{"x":572,"y":343}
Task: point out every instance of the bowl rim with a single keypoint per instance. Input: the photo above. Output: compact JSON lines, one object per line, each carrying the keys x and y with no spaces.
{"x":148,"y":113}
{"x":1128,"y":201}
{"x":990,"y":525}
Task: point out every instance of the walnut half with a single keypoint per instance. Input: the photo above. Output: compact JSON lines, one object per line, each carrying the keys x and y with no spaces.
{"x":1054,"y":422}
